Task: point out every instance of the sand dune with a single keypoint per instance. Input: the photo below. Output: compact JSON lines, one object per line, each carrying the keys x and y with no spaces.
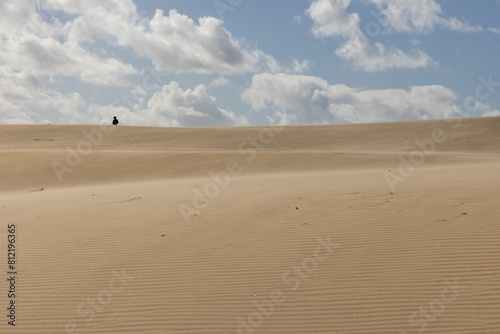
{"x":372,"y":228}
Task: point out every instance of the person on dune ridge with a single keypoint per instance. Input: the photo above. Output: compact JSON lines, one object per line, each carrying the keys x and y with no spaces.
{"x":115,"y":121}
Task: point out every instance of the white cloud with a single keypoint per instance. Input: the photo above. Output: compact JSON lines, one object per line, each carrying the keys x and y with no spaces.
{"x":176,"y":43}
{"x":173,"y":42}
{"x":24,"y":98}
{"x":331,"y":20}
{"x":281,"y":118}
{"x":312,"y":100}
{"x":419,"y":16}
{"x":478,"y":108}
{"x":31,"y":44}
{"x":494,"y":30}
{"x":48,"y":56}
{"x":376,"y":57}
{"x":56,"y":43}
{"x":300,"y":66}
{"x":454,"y":24}
{"x":139,"y":91}
{"x":492,"y":113}
{"x":177,"y":107}
{"x":220,"y":81}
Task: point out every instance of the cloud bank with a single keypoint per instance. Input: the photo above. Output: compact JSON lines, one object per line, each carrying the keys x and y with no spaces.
{"x":312,"y":100}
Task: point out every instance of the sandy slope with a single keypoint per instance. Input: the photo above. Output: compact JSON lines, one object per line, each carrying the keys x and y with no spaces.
{"x":376,"y":228}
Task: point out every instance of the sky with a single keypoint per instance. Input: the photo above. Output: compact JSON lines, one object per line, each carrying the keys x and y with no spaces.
{"x":207,"y":63}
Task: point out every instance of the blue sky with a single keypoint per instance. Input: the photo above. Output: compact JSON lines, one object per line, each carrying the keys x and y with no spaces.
{"x":243,"y":62}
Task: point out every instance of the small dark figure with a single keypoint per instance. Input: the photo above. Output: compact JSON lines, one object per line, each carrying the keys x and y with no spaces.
{"x":115,"y":121}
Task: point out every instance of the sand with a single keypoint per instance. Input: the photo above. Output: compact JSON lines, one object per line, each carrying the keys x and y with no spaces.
{"x":371,"y":228}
